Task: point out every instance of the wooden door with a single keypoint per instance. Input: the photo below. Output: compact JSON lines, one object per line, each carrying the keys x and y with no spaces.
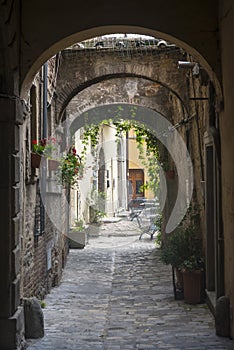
{"x":136,"y":178}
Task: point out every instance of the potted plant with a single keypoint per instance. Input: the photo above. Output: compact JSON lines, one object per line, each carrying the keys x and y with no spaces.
{"x":41,"y":148}
{"x":193,"y":277}
{"x":70,"y":168}
{"x":173,"y":252}
{"x":37,"y":152}
{"x":182,"y":249}
{"x":78,"y":236}
{"x":193,"y":265}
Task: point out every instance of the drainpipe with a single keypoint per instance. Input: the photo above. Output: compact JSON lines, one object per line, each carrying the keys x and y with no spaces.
{"x":44,"y":135}
{"x":45,"y":87}
{"x":127,"y":169}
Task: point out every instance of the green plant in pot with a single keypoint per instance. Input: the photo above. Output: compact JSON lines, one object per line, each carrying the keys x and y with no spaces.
{"x":182,"y":249}
{"x":174,"y":252}
{"x":174,"y":248}
{"x":42,"y":149}
{"x":193,"y":276}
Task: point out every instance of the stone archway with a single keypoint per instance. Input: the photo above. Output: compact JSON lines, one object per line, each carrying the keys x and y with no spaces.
{"x":160,"y":127}
{"x":36,"y":46}
{"x":79,"y":70}
{"x":201,"y":27}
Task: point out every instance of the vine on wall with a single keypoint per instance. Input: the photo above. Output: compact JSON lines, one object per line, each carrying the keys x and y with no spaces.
{"x":152,"y":160}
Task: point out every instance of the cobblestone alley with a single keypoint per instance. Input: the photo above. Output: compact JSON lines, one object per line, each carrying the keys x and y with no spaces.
{"x":116,"y":295}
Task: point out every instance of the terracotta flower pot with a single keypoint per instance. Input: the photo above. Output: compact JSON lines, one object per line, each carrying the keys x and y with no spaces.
{"x":35,"y":160}
{"x":53,"y":164}
{"x":193,"y":286}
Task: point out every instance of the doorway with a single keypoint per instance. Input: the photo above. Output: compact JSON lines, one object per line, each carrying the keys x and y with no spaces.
{"x":136,"y":179}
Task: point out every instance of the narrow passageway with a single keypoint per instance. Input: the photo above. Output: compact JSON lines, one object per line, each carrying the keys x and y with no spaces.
{"x":116,"y":294}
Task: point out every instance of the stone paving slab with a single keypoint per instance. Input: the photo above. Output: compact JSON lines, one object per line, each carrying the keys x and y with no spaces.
{"x":117,"y":295}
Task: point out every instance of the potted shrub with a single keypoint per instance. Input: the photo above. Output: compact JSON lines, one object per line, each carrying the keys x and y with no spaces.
{"x":193,"y":265}
{"x":182,"y":249}
{"x":173,"y":252}
{"x":193,"y":279}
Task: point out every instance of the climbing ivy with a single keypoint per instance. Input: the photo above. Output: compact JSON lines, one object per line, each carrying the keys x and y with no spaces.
{"x":143,"y":135}
{"x":90,"y":133}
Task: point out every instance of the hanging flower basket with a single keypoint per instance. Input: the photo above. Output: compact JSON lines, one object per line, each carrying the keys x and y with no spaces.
{"x":35,"y":160}
{"x":70,"y":168}
{"x":53,"y":164}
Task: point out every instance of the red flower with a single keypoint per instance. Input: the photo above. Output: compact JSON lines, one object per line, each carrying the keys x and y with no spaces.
{"x":43,"y":142}
{"x":34,"y":142}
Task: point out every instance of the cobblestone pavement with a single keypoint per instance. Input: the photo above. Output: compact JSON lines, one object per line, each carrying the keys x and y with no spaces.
{"x":116,"y":295}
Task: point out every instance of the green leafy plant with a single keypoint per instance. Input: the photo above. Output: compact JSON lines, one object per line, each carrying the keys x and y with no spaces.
{"x":193,"y":263}
{"x":44,"y":146}
{"x":70,"y":168}
{"x":43,"y":304}
{"x":99,"y":214}
{"x":97,"y":205}
{"x":158,"y":224}
{"x":79,"y":226}
{"x":175,"y":249}
{"x":183,"y":247}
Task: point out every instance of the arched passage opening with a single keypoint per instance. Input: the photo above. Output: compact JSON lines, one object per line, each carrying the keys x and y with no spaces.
{"x":85,"y":86}
{"x":160,"y":127}
{"x":100,"y":30}
{"x":46,"y":54}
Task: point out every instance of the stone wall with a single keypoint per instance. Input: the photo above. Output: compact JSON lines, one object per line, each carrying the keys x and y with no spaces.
{"x":39,"y":275}
{"x":175,"y":108}
{"x":78,"y":71}
{"x":192,"y":123}
{"x":44,"y":244}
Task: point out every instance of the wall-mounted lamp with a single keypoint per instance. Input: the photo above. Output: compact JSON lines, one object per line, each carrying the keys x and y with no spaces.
{"x":187,"y":64}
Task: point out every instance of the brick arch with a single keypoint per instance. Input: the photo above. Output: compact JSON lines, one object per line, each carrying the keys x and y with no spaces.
{"x":115,"y":111}
{"x":160,"y":127}
{"x":139,"y":91}
{"x":78,"y":71}
{"x":165,"y":21}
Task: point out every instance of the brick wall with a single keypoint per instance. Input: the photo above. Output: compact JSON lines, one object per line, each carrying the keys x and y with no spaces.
{"x":39,"y":278}
{"x":43,"y":243}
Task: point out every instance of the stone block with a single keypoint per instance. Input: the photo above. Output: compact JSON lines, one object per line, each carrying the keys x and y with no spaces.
{"x":15,"y":224}
{"x":77,"y":239}
{"x":16,"y":141}
{"x":222,"y":317}
{"x":16,"y":261}
{"x":16,"y":201}
{"x":34,"y":318}
{"x":15,"y":293}
{"x":15,"y":169}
